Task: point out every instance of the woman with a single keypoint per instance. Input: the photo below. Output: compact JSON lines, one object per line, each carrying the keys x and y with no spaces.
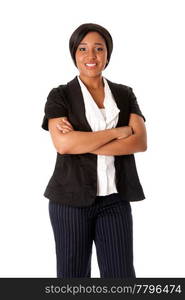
{"x":96,"y":126}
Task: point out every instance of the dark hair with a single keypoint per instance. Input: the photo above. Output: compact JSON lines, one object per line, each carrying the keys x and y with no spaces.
{"x":82,"y":30}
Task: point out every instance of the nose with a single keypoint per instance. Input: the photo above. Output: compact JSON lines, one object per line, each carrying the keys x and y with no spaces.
{"x":91,"y":54}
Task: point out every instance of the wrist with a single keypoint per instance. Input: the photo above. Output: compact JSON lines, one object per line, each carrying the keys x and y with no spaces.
{"x":114,"y":133}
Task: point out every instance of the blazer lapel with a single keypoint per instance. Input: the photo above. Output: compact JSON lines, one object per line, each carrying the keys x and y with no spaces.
{"x":77,"y":102}
{"x":121,"y":103}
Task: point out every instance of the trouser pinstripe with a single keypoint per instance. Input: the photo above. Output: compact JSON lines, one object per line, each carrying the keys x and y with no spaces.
{"x":108,"y":222}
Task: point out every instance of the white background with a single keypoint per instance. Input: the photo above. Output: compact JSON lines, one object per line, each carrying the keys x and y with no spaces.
{"x":148,"y":55}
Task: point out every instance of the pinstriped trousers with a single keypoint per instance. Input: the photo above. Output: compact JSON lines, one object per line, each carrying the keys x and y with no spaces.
{"x":107,"y":222}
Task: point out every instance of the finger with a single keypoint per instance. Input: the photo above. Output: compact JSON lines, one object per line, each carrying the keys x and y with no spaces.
{"x":62,"y":125}
{"x":62,"y":122}
{"x":65,"y":131}
{"x":59,"y":127}
{"x":67,"y":122}
{"x":66,"y":127}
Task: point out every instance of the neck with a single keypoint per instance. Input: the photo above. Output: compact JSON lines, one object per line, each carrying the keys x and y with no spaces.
{"x":92,"y":82}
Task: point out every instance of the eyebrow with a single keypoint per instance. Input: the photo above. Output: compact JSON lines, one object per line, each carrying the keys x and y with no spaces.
{"x":94,"y":43}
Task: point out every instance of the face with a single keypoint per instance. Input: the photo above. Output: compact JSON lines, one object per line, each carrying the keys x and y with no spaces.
{"x":91,"y":55}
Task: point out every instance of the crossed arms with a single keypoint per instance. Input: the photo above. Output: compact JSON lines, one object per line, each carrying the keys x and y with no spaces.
{"x":115,"y":141}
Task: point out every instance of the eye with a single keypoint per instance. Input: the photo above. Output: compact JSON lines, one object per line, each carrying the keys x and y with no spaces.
{"x":99,"y":49}
{"x":82,"y":49}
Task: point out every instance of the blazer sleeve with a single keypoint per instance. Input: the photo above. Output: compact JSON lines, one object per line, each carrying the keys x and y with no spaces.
{"x":133,"y":104}
{"x":55,"y":107}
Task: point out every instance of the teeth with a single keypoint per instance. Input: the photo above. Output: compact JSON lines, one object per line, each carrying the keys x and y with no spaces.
{"x":90,"y":65}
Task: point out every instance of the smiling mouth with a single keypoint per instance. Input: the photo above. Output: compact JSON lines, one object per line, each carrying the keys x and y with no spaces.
{"x":90,"y":65}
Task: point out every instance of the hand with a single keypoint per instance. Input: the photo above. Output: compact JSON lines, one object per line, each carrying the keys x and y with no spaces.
{"x":124,"y":132}
{"x":64,"y":125}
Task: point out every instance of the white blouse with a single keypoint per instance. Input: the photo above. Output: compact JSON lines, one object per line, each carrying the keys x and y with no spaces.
{"x":101,"y":119}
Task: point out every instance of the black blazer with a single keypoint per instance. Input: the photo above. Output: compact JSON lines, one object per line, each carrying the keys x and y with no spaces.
{"x":74,"y":179}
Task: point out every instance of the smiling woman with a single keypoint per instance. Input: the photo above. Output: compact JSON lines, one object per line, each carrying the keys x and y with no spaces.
{"x":92,"y":58}
{"x":96,"y":127}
